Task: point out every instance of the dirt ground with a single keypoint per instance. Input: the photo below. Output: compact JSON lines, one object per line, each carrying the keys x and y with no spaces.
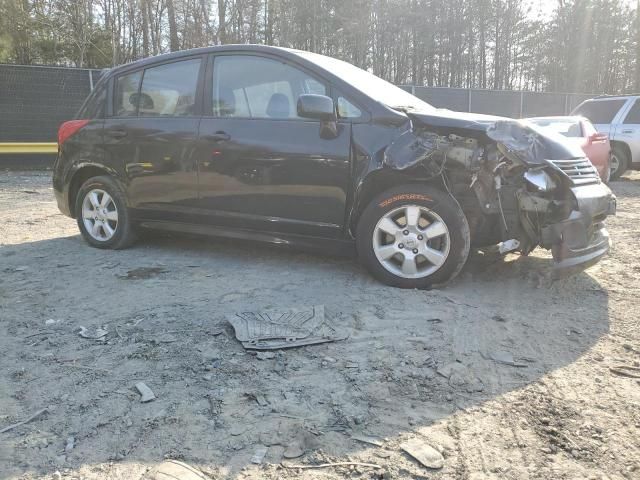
{"x":560,"y":413}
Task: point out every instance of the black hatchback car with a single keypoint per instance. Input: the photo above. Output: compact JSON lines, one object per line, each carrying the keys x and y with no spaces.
{"x":285,"y":146}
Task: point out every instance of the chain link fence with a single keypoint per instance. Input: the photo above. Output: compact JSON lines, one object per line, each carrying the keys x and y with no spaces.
{"x":507,"y":103}
{"x":35,"y":100}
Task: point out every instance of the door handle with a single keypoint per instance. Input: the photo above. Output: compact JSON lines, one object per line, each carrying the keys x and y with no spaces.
{"x":627,"y":131}
{"x":117,"y":133}
{"x":218,"y":137}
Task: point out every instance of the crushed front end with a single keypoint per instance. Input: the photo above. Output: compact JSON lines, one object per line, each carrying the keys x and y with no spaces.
{"x":562,"y":203}
{"x":520,"y":187}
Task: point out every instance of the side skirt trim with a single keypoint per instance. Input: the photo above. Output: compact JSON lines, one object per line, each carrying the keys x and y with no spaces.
{"x":326,"y":245}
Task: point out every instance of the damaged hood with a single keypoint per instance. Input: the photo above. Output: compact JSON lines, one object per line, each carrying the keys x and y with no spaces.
{"x":532,"y":144}
{"x":442,"y":118}
{"x":528,"y":142}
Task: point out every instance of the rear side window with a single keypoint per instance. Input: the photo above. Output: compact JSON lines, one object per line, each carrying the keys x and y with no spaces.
{"x":600,"y":111}
{"x":125,"y":97}
{"x":169,"y":90}
{"x":633,"y":116}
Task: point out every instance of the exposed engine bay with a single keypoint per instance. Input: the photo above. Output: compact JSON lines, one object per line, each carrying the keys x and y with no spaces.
{"x":519,"y":187}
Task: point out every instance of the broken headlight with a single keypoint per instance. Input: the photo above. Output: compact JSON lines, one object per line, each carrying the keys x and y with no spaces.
{"x":539,"y":180}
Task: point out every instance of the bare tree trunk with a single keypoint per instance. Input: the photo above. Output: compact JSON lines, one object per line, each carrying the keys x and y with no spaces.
{"x":496,"y":56}
{"x":174,"y":44}
{"x":222,"y":21}
{"x":268,"y":22}
{"x":144,"y":11}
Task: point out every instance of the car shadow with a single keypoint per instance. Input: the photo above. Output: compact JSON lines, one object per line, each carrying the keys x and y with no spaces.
{"x":411,"y":361}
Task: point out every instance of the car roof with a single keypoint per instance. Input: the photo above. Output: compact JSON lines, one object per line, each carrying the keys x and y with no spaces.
{"x":249,"y":48}
{"x":611,"y":97}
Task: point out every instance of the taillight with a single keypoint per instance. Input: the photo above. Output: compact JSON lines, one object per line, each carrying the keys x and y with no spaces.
{"x":69,"y":128}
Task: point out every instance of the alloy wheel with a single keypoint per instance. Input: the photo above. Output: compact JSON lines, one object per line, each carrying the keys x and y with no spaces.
{"x":99,"y":215}
{"x":411,"y":241}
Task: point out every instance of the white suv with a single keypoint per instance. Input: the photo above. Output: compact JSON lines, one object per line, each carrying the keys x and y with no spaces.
{"x":618,"y":117}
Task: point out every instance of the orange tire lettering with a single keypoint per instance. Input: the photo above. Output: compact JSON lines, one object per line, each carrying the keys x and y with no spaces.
{"x":404,"y":196}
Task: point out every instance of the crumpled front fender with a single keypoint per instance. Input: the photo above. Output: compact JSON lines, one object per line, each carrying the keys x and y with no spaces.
{"x":409,"y":150}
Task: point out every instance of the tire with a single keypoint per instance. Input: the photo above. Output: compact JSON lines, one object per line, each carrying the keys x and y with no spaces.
{"x":112,"y":220}
{"x":619,"y":163}
{"x":386,"y":255}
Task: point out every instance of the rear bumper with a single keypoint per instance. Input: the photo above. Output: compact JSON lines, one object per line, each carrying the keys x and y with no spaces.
{"x":63,"y":202}
{"x":61,"y":188}
{"x":581,"y":240}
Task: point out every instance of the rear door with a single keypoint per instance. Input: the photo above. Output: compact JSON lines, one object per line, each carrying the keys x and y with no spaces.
{"x":151,"y":135}
{"x":629,"y":130}
{"x":261,"y":166}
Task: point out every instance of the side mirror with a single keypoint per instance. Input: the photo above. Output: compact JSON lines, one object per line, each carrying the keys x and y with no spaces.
{"x":317,"y":107}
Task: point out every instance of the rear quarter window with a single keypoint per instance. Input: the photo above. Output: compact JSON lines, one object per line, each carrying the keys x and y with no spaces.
{"x":95,"y":106}
{"x":589,"y":129}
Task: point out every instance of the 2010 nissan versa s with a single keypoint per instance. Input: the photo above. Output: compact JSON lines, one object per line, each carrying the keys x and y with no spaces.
{"x":288,"y":146}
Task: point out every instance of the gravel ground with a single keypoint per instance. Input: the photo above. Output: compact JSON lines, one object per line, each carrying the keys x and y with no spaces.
{"x":418,"y":365}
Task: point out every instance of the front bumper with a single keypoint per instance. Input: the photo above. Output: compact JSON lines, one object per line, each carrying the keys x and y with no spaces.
{"x":581,"y":240}
{"x":569,"y":260}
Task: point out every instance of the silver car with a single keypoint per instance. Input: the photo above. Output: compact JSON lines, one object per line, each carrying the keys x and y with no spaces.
{"x":618,"y":117}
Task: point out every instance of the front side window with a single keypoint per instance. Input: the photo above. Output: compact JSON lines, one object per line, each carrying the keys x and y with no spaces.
{"x":169,"y":90}
{"x":246,"y":86}
{"x":346,"y":109}
{"x":126,"y":94}
{"x":600,"y":111}
{"x":633,"y":117}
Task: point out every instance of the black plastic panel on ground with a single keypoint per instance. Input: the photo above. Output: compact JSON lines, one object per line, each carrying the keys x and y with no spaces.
{"x":35,"y":100}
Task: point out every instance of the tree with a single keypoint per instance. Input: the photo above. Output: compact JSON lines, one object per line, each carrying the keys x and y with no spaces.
{"x":174,"y":43}
{"x":583,"y":45}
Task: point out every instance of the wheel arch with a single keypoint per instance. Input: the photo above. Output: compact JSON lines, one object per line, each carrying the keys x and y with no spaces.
{"x":81,"y":174}
{"x":379,"y":181}
{"x":624,"y":147}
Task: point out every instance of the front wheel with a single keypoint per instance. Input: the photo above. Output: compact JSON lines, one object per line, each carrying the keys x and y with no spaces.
{"x":413,"y":237}
{"x":102,"y":215}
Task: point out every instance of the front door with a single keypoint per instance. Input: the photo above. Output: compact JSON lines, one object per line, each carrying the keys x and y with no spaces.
{"x":152,"y":134}
{"x":261,"y":166}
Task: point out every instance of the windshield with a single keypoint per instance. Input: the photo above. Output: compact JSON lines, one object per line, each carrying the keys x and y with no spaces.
{"x":566,"y":127}
{"x":372,"y":86}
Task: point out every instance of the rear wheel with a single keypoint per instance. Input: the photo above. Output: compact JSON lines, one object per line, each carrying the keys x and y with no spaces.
{"x":619,"y":162}
{"x":413,"y":237}
{"x":102,"y":214}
